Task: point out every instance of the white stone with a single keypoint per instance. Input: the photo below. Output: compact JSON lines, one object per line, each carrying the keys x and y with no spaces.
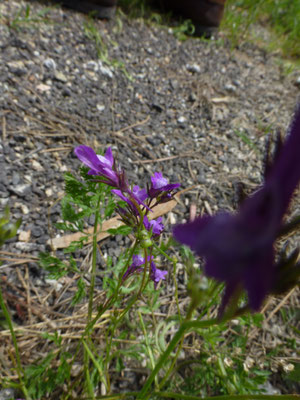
{"x":24,"y":236}
{"x":50,"y":63}
{"x":173,"y":218}
{"x":12,"y":65}
{"x":105,"y":70}
{"x":100,"y":107}
{"x":36,"y":165}
{"x":181,"y":120}
{"x":193,"y":68}
{"x":92,"y":66}
{"x":43,"y":88}
{"x":49,"y":192}
{"x":60,"y":76}
{"x":25,"y":209}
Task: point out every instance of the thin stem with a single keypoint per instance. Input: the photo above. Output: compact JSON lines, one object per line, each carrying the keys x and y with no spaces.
{"x":94,"y":262}
{"x":148,"y":347}
{"x":111,"y":331}
{"x":187,"y":318}
{"x":86,"y":357}
{"x":14,"y":339}
{"x":178,"y":335}
{"x":176,"y":289}
{"x":180,"y":396}
{"x":97,"y":365}
{"x":163,"y":253}
{"x":144,"y":272}
{"x":88,"y":383}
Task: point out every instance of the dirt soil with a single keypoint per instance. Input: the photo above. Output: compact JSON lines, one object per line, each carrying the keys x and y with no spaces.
{"x":195,"y":110}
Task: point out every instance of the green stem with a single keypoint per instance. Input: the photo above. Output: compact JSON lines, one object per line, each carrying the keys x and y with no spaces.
{"x":176,"y":289}
{"x":187,"y":318}
{"x":148,"y":346}
{"x":103,"y":309}
{"x":163,"y":253}
{"x":112,"y":298}
{"x":94,"y":262}
{"x":185,"y":326}
{"x":172,"y":395}
{"x":14,"y":339}
{"x":86,"y":357}
{"x":111,"y":331}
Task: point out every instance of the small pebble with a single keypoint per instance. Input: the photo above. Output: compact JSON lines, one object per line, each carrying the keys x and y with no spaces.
{"x":193,"y":68}
{"x":50,"y":63}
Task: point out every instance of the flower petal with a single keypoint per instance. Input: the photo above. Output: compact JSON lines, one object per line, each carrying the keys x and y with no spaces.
{"x":88,"y":157}
{"x":158,"y":180}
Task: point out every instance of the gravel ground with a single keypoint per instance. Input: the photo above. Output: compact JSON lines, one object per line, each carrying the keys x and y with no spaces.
{"x":194,"y":110}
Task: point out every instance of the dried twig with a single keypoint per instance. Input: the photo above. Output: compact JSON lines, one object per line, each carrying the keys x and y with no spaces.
{"x":113,"y":223}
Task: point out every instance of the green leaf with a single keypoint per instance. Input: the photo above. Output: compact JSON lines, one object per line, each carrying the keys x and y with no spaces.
{"x":75,"y":245}
{"x":109,"y":209}
{"x":122,"y":230}
{"x":80,"y":294}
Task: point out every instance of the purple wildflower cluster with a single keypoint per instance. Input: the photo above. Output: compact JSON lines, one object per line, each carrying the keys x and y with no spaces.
{"x":137,"y":266}
{"x":239,"y":249}
{"x":138,"y":202}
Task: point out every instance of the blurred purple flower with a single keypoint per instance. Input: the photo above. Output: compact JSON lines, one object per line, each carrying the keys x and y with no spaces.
{"x":157,"y":274}
{"x":137,"y":261}
{"x":99,"y":165}
{"x":138,"y":194}
{"x":155,"y":224}
{"x":160,"y":186}
{"x":239,"y":249}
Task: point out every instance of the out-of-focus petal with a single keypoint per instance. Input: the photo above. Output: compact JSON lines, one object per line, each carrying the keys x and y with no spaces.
{"x":158,"y":180}
{"x":139,"y":194}
{"x":88,"y":157}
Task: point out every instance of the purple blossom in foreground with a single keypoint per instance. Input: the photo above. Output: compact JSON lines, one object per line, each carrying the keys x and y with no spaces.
{"x":239,"y":249}
{"x":99,"y":165}
{"x":161,"y":187}
{"x":156,"y":274}
{"x":155,"y":224}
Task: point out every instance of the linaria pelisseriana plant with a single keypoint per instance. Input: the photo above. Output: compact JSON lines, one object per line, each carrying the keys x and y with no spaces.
{"x":238,"y":250}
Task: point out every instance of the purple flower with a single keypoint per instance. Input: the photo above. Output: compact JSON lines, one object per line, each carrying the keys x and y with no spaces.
{"x":138,"y":194}
{"x":155,"y":224}
{"x":160,"y":186}
{"x":239,"y":249}
{"x":99,"y":165}
{"x":157,"y":274}
{"x":137,"y":261}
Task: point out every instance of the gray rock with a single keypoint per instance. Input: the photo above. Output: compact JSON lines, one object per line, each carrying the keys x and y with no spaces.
{"x":7,"y":394}
{"x":193,"y":68}
{"x":230,"y":88}
{"x":92,"y":66}
{"x":17,"y":67}
{"x":59,"y":76}
{"x":181,"y":120}
{"x":105,"y":71}
{"x":37,"y":231}
{"x":21,"y":190}
{"x":270,"y":389}
{"x":15,"y":178}
{"x":50,"y":63}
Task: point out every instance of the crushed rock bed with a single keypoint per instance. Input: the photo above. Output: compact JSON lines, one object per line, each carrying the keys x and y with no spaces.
{"x":195,"y":110}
